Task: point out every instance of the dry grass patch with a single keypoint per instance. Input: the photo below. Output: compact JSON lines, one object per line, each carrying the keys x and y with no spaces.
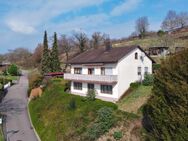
{"x":135,"y":99}
{"x":130,"y":131}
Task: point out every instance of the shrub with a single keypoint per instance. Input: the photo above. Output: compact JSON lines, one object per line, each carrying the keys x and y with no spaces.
{"x":13,"y":70}
{"x":134,"y":85}
{"x":67,"y":86}
{"x":105,"y":115}
{"x":1,"y":86}
{"x":156,"y":67}
{"x":117,"y":135}
{"x":148,"y":80}
{"x":160,"y":33}
{"x":72,"y":104}
{"x":104,"y":122}
{"x":5,"y":80}
{"x":91,"y":94}
{"x":35,"y":80}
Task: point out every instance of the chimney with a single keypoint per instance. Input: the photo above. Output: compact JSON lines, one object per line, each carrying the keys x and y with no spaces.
{"x":108,"y":44}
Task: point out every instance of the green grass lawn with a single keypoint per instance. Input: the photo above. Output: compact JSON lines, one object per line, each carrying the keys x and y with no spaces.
{"x":9,"y":77}
{"x":53,"y":119}
{"x":135,"y":99}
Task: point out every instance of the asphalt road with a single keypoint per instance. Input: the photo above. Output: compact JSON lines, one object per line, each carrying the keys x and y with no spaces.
{"x":18,"y":126}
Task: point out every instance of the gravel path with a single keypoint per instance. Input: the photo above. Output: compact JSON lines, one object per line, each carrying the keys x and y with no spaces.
{"x":18,"y":126}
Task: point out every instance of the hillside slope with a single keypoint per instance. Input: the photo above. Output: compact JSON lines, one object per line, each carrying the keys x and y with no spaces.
{"x":54,"y":120}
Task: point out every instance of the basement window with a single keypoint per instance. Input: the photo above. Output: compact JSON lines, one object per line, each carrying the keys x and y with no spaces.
{"x":107,"y":89}
{"x":77,"y":86}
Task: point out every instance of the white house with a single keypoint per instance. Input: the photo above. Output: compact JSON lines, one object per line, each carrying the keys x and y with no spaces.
{"x":108,"y":71}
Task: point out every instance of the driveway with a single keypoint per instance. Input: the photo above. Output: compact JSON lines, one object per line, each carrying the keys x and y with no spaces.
{"x":18,"y":126}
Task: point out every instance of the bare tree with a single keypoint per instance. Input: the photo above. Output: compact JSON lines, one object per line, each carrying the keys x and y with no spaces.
{"x":170,"y":21}
{"x":65,"y":44}
{"x":37,"y":54}
{"x":97,"y":40}
{"x":81,"y":40}
{"x":182,"y":19}
{"x":142,"y":25}
{"x":20,"y":56}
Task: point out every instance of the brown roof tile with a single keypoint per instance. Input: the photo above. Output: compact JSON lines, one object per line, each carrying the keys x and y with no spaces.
{"x":102,"y":56}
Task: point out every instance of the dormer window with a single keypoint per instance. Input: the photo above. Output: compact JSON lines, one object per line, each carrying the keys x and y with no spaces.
{"x":136,"y":56}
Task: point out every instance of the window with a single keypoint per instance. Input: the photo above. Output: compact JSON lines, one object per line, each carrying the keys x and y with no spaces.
{"x":77,"y":86}
{"x":139,"y":70}
{"x":146,"y":70}
{"x":90,"y":86}
{"x":91,"y":71}
{"x":102,"y":71}
{"x":136,"y":56}
{"x":108,"y":71}
{"x":107,"y":89}
{"x":77,"y":70}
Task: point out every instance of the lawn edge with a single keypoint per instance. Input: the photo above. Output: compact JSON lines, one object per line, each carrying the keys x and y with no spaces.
{"x":28,"y":111}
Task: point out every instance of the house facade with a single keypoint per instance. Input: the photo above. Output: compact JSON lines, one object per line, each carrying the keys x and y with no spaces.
{"x":108,"y":72}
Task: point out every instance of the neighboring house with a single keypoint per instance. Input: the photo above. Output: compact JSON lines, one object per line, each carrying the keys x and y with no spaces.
{"x":109,"y":71}
{"x":4,"y":65}
{"x":158,"y":51}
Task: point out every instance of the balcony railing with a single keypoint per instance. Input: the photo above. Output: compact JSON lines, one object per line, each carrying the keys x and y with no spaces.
{"x":91,"y":78}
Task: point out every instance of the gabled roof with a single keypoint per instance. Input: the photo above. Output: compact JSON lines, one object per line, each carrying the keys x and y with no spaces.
{"x":103,"y":56}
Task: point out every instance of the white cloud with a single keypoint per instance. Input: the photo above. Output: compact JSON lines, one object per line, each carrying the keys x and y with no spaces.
{"x":84,"y":22}
{"x":20,"y":27}
{"x":41,"y":12}
{"x":127,"y":5}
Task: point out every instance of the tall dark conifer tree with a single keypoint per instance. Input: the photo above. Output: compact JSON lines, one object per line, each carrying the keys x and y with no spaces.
{"x":55,"y":63}
{"x":166,"y":113}
{"x":45,"y":67}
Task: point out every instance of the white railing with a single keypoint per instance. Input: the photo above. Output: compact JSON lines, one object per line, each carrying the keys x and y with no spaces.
{"x":94,"y":78}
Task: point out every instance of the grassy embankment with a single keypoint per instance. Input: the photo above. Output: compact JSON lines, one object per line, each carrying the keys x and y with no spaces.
{"x":1,"y":135}
{"x":54,"y":120}
{"x":135,"y":99}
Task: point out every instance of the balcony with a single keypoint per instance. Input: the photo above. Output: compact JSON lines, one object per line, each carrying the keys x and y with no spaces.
{"x":106,"y":79}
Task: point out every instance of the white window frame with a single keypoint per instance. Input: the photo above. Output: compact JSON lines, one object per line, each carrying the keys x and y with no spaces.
{"x":104,"y":89}
{"x":77,"y":87}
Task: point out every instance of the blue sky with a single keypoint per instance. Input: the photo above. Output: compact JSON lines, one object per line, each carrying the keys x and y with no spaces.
{"x":23,"y":21}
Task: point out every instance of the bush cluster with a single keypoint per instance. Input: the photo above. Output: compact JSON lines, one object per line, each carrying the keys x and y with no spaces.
{"x":4,"y":81}
{"x":72,"y":104}
{"x":117,"y":135}
{"x":91,"y":94}
{"x":13,"y":70}
{"x":67,"y":86}
{"x":134,"y":85}
{"x":148,"y":80}
{"x":104,"y":122}
{"x":35,"y":80}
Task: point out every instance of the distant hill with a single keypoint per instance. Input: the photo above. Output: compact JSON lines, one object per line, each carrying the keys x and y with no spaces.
{"x":178,"y":37}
